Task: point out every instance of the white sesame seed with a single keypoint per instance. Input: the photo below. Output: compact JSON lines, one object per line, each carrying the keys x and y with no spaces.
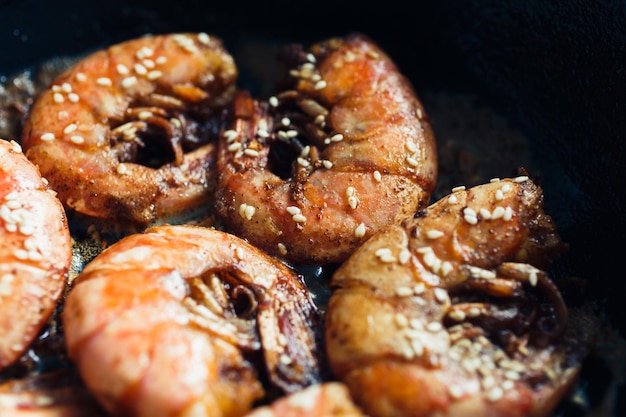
{"x":377,"y":176}
{"x":273,"y":101}
{"x":453,"y":199}
{"x":77,"y":139}
{"x":494,"y":394}
{"x":404,"y":256}
{"x":121,"y":168}
{"x":80,"y":76}
{"x":404,"y":292}
{"x":470,"y":215}
{"x":506,"y":187}
{"x":521,"y":178}
{"x":235,"y":146}
{"x":494,"y":179}
{"x":140,"y":69}
{"x":160,"y":60}
{"x":359,"y":232}
{"x":47,"y":137}
{"x":303,"y":162}
{"x":441,"y":295}
{"x":412,"y":161}
{"x":410,"y":146}
{"x":282,"y":249}
{"x":204,"y":38}
{"x":104,"y":81}
{"x":73,"y":97}
{"x":230,"y":135}
{"x":70,"y":128}
{"x":434,"y":234}
{"x":285,"y":121}
{"x":499,"y":195}
{"x":154,"y":75}
{"x":320,"y":85}
{"x":336,"y":138}
{"x":251,"y":152}
{"x":418,"y":113}
{"x":298,"y":218}
{"x":121,"y":69}
{"x":458,"y":188}
{"x":484,"y":213}
{"x":327,"y":164}
{"x":293,"y":210}
{"x":58,"y":98}
{"x":508,"y":213}
{"x":497,"y":213}
{"x":129,"y":81}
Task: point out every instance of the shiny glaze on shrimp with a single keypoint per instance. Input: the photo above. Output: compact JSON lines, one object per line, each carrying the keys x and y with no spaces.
{"x":449,"y":314}
{"x":343,"y":151}
{"x":127,"y":134}
{"x":330,"y":399}
{"x":35,"y":252}
{"x":169,"y":323}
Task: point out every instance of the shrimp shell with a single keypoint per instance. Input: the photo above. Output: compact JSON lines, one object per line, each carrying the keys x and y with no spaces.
{"x":366,"y":155}
{"x":162,"y":324}
{"x":127,"y":134}
{"x":446,"y":314}
{"x":35,"y":252}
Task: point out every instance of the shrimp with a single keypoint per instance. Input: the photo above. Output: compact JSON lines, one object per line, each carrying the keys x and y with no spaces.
{"x":449,"y":313}
{"x":127,"y":134}
{"x":329,"y":399}
{"x":169,"y":323}
{"x":313,"y":172}
{"x":35,"y":252}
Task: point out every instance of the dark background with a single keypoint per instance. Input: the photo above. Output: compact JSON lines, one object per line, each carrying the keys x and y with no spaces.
{"x":555,"y":69}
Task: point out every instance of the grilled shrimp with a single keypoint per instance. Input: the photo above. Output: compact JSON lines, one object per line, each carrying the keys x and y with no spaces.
{"x":342,"y":151}
{"x":35,"y":252}
{"x":451,"y":313}
{"x":330,"y":399}
{"x":170,"y":322}
{"x":127,"y":134}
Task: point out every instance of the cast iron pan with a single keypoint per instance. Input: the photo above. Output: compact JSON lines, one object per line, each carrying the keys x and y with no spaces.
{"x":556,"y":71}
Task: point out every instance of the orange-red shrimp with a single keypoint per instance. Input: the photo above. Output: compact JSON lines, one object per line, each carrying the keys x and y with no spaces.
{"x":171,"y":322}
{"x":449,"y":314}
{"x":312,"y":173}
{"x":35,"y":252}
{"x":127,"y":133}
{"x":329,"y":399}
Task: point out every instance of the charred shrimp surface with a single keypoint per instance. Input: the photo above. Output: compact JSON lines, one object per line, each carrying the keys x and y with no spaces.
{"x":127,"y":133}
{"x":35,"y":252}
{"x":174,"y":322}
{"x":344,"y":149}
{"x":451,"y":313}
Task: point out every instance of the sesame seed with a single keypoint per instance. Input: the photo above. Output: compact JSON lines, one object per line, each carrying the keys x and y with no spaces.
{"x":404,"y":292}
{"x":457,"y":315}
{"x":298,"y":218}
{"x":262,"y":133}
{"x":293,"y":210}
{"x":154,"y":75}
{"x":80,"y":76}
{"x":58,"y":98}
{"x":419,"y":288}
{"x":404,"y":256}
{"x":499,"y":195}
{"x":47,"y":137}
{"x":410,"y":146}
{"x":418,"y":113}
{"x":336,"y":138}
{"x":251,"y":152}
{"x":230,"y":135}
{"x":494,"y":394}
{"x":140,"y":69}
{"x":145,"y":115}
{"x":70,"y":128}
{"x":412,"y":161}
{"x":121,"y":168}
{"x":303,"y":162}
{"x":306,"y":151}
{"x":458,"y":188}
{"x":122,"y":69}
{"x":77,"y":139}
{"x":508,"y":214}
{"x":441,"y":295}
{"x":285,"y":121}
{"x":204,"y":38}
{"x":160,"y":60}
{"x":273,"y":101}
{"x":73,"y":97}
{"x":521,"y":178}
{"x":104,"y":81}
{"x":327,"y":164}
{"x":129,"y":81}
{"x":494,"y":179}
{"x":282,"y":249}
{"x":320,"y":85}
{"x":470,"y":215}
{"x":377,"y":176}
{"x":235,"y":146}
{"x":359,"y":232}
{"x":66,"y":87}
{"x":453,"y":199}
{"x":400,"y":319}
{"x":484,"y":213}
{"x":497,"y":213}
{"x":434,"y":234}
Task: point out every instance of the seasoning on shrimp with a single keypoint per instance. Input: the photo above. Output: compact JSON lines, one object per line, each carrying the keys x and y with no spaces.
{"x":171,"y":322}
{"x":460,"y":317}
{"x":127,"y":134}
{"x":35,"y":252}
{"x":342,"y":151}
